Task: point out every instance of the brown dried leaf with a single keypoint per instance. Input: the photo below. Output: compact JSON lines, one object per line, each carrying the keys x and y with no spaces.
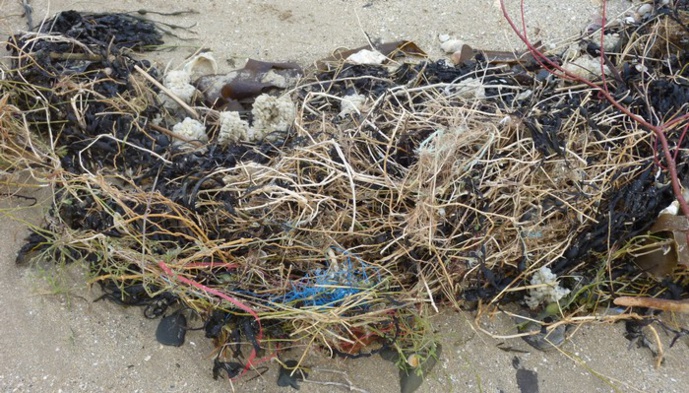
{"x":677,"y":226}
{"x":243,"y":85}
{"x":659,"y":259}
{"x":670,"y":223}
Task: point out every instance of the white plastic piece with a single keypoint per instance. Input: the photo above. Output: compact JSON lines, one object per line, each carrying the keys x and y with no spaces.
{"x":366,"y":56}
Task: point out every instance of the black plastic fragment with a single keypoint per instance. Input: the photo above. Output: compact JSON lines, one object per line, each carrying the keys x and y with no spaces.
{"x":215,"y":323}
{"x":248,"y":330}
{"x":35,"y":243}
{"x":544,"y":340}
{"x":231,"y":369}
{"x":289,"y":377}
{"x":172,"y":329}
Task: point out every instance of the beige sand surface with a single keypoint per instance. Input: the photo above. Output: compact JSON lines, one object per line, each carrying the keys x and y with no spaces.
{"x":53,"y":338}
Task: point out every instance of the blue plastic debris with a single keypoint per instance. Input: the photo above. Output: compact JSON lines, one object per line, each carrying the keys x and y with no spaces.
{"x":331,"y":286}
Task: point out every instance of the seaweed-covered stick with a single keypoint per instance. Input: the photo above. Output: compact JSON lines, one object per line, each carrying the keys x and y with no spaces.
{"x":658,"y":131}
{"x":654,"y":303}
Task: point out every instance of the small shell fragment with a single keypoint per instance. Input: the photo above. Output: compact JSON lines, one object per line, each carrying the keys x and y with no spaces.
{"x":586,"y":67}
{"x":645,"y":9}
{"x":414,"y":360}
{"x":452,"y":46}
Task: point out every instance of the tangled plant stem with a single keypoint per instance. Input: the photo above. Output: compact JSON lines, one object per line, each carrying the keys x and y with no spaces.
{"x":657,"y":130}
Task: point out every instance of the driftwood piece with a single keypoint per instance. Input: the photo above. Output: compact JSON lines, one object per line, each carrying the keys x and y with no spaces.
{"x":654,"y":303}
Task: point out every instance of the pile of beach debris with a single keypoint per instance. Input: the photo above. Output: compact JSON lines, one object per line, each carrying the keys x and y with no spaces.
{"x":336,"y":206}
